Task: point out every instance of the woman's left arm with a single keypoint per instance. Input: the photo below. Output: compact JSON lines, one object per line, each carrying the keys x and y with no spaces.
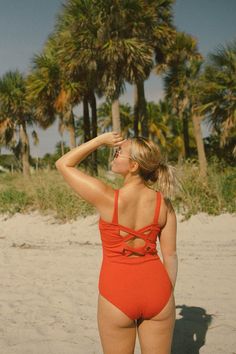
{"x":89,"y":188}
{"x":168,"y":246}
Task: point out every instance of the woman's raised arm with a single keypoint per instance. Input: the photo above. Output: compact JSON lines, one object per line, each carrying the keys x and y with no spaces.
{"x":89,"y":188}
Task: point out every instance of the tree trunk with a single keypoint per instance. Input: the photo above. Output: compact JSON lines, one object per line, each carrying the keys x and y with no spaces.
{"x":93,"y":105}
{"x":200,"y":145}
{"x":136,"y":111}
{"x":142,"y":109}
{"x":24,"y":149}
{"x":181,"y":108}
{"x":186,"y":134}
{"x":87,"y":135}
{"x":115,"y":109}
{"x":71,"y":128}
{"x":62,"y":146}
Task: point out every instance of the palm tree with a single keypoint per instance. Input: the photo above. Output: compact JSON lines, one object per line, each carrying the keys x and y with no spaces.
{"x":15,"y":115}
{"x":8,"y":131}
{"x":219,"y":92}
{"x":182,"y":86}
{"x":157,"y":30}
{"x":78,"y":65}
{"x":175,"y":63}
{"x":158,"y":128}
{"x":105,"y":117}
{"x":102,"y":46}
{"x":182,"y":48}
{"x":165,"y":128}
{"x":51,"y":93}
{"x":105,"y":120}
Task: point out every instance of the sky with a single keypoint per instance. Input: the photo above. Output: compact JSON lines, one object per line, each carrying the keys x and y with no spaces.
{"x":26,"y":24}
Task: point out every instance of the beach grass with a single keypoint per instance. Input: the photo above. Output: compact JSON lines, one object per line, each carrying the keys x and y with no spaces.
{"x":214,"y":195}
{"x":47,"y":192}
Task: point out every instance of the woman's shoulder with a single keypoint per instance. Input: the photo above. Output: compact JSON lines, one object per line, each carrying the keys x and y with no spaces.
{"x":165,"y":202}
{"x":168,"y":204}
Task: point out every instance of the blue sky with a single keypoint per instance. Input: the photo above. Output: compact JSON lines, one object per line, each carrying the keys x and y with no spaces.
{"x":25,"y":25}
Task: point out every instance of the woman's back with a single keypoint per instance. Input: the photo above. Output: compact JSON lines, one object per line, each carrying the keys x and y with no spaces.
{"x":136,"y":207}
{"x":134,"y":210}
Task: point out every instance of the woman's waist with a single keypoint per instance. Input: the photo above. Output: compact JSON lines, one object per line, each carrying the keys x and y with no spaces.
{"x":124,"y":250}
{"x":120,"y":258}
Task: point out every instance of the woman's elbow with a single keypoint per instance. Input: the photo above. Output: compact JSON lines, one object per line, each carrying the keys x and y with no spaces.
{"x":57,"y":167}
{"x":58,"y":164}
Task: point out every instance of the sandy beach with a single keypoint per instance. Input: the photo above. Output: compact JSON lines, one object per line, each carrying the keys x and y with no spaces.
{"x":49,"y":285}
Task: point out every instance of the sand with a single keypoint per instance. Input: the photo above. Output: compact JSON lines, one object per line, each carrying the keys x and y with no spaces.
{"x":49,"y":285}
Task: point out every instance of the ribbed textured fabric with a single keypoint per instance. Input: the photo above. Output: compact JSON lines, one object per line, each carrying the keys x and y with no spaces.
{"x":139,"y":286}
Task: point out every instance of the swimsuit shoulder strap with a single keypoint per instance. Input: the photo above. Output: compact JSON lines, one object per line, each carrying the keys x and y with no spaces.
{"x":157,"y":209}
{"x":158,"y":205}
{"x":115,"y":212}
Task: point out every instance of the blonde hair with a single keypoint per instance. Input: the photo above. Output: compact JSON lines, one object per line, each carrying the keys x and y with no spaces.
{"x":153,"y":168}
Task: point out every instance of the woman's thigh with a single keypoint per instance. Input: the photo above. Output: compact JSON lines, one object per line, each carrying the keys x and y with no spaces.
{"x":155,"y":334}
{"x":117,"y":331}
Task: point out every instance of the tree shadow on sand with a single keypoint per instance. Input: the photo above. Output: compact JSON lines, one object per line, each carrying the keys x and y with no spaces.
{"x":190,"y":330}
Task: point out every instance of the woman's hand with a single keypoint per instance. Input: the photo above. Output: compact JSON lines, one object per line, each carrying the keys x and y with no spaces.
{"x":111,"y":139}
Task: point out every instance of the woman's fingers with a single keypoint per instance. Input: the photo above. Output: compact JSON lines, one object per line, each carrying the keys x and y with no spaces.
{"x":111,"y":139}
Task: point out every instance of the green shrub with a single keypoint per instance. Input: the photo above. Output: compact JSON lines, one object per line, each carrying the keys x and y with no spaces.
{"x":65,"y":204}
{"x":214,"y":194}
{"x":13,"y":201}
{"x":228,"y":191}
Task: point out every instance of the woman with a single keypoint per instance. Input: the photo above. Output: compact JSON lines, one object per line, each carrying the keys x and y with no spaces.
{"x":136,"y":289}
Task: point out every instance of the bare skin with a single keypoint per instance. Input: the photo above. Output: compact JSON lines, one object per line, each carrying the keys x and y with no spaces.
{"x":135,"y":210}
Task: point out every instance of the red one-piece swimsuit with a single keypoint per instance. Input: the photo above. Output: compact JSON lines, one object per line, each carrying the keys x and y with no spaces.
{"x":139,"y":286}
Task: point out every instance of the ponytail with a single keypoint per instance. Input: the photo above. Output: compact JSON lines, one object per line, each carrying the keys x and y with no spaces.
{"x":153,"y":168}
{"x":166,"y":179}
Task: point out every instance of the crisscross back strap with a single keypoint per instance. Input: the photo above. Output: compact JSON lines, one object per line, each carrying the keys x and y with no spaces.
{"x":157,"y":209}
